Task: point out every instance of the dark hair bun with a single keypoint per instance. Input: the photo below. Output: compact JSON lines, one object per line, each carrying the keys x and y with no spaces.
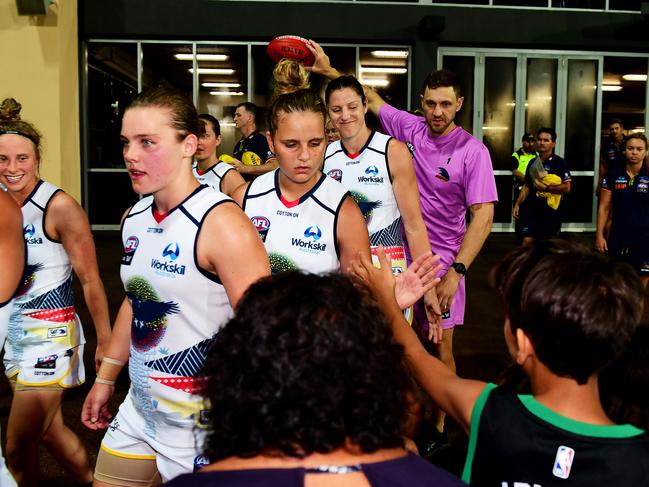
{"x":10,"y":110}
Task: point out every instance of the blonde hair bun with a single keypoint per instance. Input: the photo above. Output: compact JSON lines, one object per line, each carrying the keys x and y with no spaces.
{"x":10,"y":110}
{"x":290,"y":76}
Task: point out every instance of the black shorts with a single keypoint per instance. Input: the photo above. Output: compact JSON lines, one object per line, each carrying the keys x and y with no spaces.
{"x":635,"y":254}
{"x":540,"y":228}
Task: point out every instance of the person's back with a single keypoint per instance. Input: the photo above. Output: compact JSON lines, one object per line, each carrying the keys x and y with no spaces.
{"x":568,"y":313}
{"x":544,"y":448}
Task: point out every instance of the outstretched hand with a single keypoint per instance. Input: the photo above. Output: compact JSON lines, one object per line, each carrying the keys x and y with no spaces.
{"x":379,"y":280}
{"x":417,"y":280}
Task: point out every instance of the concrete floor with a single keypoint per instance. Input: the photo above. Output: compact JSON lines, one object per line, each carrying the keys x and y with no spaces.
{"x":479,"y":348}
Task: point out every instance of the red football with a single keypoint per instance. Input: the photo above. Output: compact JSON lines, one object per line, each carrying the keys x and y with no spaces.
{"x":290,"y":47}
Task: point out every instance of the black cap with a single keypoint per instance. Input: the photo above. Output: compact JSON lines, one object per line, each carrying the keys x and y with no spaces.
{"x":528,"y":137}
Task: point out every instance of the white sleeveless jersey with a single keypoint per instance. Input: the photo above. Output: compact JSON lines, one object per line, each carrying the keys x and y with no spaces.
{"x":177,"y":308}
{"x":367,"y":177}
{"x":214,"y":175}
{"x":43,"y":326}
{"x":302,"y":236}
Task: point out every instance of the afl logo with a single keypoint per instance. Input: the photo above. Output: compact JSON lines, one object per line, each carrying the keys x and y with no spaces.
{"x":172,"y":250}
{"x":372,"y":171}
{"x":29,"y":230}
{"x":313,"y":232}
{"x":336,"y":174}
{"x":261,"y":223}
{"x":131,"y":244}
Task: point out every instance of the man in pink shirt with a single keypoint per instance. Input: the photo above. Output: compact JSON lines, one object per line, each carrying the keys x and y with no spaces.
{"x":454,"y":173}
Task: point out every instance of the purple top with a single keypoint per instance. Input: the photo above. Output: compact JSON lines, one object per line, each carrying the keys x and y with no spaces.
{"x":407,"y":471}
{"x":453,"y":171}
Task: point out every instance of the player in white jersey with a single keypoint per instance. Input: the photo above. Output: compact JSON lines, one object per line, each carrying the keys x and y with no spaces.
{"x":378,"y":172}
{"x":298,"y":212}
{"x":208,"y":167}
{"x":189,"y":254}
{"x":44,"y":347}
{"x":12,"y":250}
{"x":306,"y":220}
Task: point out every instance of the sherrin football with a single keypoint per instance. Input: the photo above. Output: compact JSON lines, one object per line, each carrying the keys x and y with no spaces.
{"x":249,"y":158}
{"x":290,"y":47}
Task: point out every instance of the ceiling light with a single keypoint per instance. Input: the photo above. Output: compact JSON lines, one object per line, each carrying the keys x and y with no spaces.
{"x":221,"y":85}
{"x":202,"y":57}
{"x":226,"y":93}
{"x":383,"y":70}
{"x":376,"y":82}
{"x":635,"y":77}
{"x":611,"y":87}
{"x":213,"y":70}
{"x":390,"y":54}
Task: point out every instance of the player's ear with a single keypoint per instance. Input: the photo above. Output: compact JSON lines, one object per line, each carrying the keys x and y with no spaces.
{"x":269,"y":139}
{"x":524,"y":347}
{"x":460,"y":101}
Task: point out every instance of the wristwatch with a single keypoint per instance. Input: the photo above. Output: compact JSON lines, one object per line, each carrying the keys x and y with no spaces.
{"x":459,"y":267}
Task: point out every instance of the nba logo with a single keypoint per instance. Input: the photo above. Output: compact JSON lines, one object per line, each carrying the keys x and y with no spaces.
{"x":563,"y":462}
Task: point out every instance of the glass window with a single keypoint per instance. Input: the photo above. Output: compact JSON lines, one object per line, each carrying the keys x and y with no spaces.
{"x":162,"y":66}
{"x":625,"y":5}
{"x":624,"y":92}
{"x":386,"y":70}
{"x":593,"y":4}
{"x":577,"y":206}
{"x":521,"y":3}
{"x":110,"y":194}
{"x":499,"y":104}
{"x":580,"y":114}
{"x":112,"y":82}
{"x":541,"y":94}
{"x":463,"y":67}
{"x":222,"y":85}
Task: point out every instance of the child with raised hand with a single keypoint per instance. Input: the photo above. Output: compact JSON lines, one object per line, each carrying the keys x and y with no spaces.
{"x":568,"y":313}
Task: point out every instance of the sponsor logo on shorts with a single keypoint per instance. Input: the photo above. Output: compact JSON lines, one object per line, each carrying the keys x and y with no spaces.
{"x":312,"y":234}
{"x":262,"y":224}
{"x":336,"y":174}
{"x":43,"y":372}
{"x":130,"y":247}
{"x":48,"y":362}
{"x":29,"y":232}
{"x":57,"y":332}
{"x":563,"y":462}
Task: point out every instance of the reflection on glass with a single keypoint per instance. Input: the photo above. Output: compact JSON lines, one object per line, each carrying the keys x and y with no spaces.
{"x":499,"y":103}
{"x":463,"y":67}
{"x":580,"y":114}
{"x":161,"y":67}
{"x":112,"y":82}
{"x":628,"y":103}
{"x":387,"y":74}
{"x":220,"y":92}
{"x":541,"y":94}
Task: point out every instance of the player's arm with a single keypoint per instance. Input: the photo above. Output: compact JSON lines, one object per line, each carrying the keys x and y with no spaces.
{"x":94,"y":413}
{"x":239,"y":193}
{"x":230,"y":247}
{"x":603,"y":215}
{"x":563,"y":188}
{"x":454,"y":395}
{"x":477,"y":231}
{"x":268,"y":166}
{"x":406,"y":192}
{"x":66,"y":221}
{"x":231,"y":181}
{"x":12,"y":246}
{"x":352,"y":234}
{"x":522,"y":196}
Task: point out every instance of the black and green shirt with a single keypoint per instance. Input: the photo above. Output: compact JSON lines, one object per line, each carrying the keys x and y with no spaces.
{"x":515,"y":440}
